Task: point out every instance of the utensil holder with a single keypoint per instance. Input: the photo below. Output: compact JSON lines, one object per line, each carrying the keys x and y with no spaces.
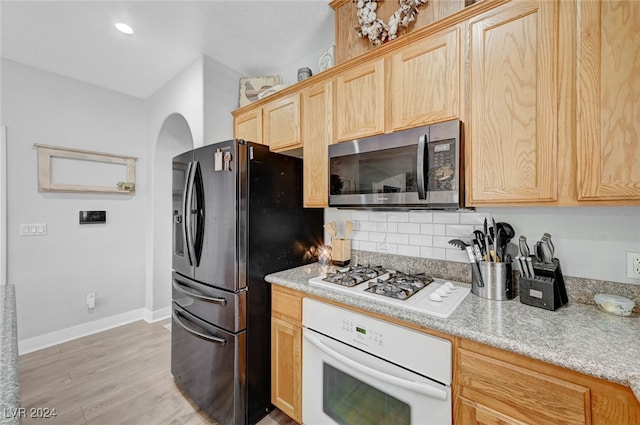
{"x":546,"y":289}
{"x":341,"y":251}
{"x":495,"y":281}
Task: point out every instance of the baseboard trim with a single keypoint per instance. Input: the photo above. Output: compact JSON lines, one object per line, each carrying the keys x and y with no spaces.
{"x":29,"y":345}
{"x":155,"y":316}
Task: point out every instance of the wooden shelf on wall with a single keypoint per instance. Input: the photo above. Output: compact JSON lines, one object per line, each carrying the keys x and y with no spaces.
{"x":121,"y":167}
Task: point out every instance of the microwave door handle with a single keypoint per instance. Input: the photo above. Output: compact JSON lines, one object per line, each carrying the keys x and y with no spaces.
{"x":423,"y":158}
{"x":390,"y":379}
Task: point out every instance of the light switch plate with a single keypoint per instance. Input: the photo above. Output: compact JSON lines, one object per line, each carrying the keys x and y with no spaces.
{"x":35,"y":229}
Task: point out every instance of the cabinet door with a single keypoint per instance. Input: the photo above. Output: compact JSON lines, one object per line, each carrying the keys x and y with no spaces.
{"x":360,"y":101}
{"x":511,"y":134}
{"x":286,"y":368}
{"x":608,"y":92}
{"x":521,"y":393}
{"x":425,"y":81}
{"x":282,"y":123}
{"x":248,"y":126}
{"x":471,"y":413}
{"x":317,"y":129}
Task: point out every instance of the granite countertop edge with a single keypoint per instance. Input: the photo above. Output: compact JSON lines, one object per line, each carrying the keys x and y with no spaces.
{"x":556,"y":337}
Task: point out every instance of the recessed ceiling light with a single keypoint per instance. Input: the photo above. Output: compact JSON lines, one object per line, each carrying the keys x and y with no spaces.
{"x":124,"y":28}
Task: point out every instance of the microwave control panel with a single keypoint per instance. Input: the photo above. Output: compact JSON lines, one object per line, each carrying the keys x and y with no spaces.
{"x":442,"y":165}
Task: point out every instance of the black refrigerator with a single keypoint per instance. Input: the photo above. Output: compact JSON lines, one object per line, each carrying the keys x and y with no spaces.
{"x":237,"y":216}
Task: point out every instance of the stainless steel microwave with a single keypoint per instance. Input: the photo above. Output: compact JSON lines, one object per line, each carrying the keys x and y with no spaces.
{"x":410,"y":169}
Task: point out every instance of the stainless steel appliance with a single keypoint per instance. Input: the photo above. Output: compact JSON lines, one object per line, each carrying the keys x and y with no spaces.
{"x":416,"y":292}
{"x":415,"y":168}
{"x":358,"y":370}
{"x":237,"y":216}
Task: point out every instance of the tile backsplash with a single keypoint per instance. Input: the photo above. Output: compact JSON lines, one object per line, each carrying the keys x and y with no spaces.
{"x":591,"y":242}
{"x":422,"y":234}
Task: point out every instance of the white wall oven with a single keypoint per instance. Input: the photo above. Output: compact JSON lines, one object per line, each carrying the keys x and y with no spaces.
{"x":358,"y":370}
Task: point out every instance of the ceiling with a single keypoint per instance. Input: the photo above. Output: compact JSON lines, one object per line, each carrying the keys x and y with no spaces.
{"x":77,"y":39}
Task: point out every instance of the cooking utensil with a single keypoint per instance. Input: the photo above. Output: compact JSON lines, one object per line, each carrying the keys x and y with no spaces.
{"x":509,"y":232}
{"x":331,"y":229}
{"x":348,"y":228}
{"x":546,"y":239}
{"x":475,"y":267}
{"x":459,"y":243}
{"x":511,"y":250}
{"x":480,"y":237}
{"x":538,"y":251}
{"x":529,"y":262}
{"x":498,"y":245}
{"x":545,"y":250}
{"x":524,"y":248}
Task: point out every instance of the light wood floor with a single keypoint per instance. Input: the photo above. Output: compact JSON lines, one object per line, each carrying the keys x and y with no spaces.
{"x":120,"y":376}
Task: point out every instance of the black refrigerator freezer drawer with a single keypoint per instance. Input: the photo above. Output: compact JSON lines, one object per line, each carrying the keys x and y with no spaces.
{"x":222,"y":308}
{"x":204,"y":365}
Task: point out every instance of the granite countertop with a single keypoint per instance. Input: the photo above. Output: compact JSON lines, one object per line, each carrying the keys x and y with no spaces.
{"x":577,"y":336}
{"x":9,"y":376}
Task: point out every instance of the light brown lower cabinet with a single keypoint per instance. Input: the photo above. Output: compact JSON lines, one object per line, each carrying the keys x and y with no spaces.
{"x":490,"y":386}
{"x":286,"y":352}
{"x":493,"y":386}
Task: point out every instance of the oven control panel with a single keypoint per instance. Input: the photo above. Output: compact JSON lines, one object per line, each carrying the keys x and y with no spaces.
{"x":362,"y":335}
{"x":417,"y":351}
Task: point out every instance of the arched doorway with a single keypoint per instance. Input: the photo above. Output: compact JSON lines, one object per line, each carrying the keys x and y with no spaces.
{"x":174,"y":138}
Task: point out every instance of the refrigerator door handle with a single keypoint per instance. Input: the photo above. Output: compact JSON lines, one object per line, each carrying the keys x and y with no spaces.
{"x":183,"y":325}
{"x":188,"y":202}
{"x":178,"y":287}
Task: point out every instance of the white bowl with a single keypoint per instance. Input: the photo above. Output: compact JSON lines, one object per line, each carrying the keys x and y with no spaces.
{"x":614,"y":304}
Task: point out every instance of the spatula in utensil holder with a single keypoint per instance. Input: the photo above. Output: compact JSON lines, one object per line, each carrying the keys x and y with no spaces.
{"x":546,"y":289}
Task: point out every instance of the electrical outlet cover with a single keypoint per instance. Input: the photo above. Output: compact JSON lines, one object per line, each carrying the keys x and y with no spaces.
{"x":633,"y":265}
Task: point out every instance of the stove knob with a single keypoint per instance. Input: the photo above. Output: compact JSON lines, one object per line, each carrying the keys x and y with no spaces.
{"x":449,"y":285}
{"x":442,"y":292}
{"x":445,"y":289}
{"x":435,"y":297}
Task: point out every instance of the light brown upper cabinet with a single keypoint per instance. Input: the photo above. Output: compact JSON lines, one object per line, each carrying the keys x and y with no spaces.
{"x":248,"y":126}
{"x":425,"y":80}
{"x":281,"y":123}
{"x":317,"y":130}
{"x":511,"y":135}
{"x":360,"y":101}
{"x":608,"y":99}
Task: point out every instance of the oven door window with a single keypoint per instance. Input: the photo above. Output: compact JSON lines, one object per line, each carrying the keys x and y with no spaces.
{"x":349,"y":401}
{"x":383,"y":171}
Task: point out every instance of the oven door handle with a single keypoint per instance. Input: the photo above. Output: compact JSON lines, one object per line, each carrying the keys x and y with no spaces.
{"x":389,"y":379}
{"x":423,"y":158}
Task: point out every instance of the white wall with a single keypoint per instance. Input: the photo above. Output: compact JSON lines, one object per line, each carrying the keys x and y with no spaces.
{"x":221,"y":88}
{"x":199,"y":101}
{"x":591,"y":242}
{"x":182,"y":95}
{"x":53,"y":273}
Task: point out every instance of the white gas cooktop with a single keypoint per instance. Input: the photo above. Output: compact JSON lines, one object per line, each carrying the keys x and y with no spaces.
{"x":435,"y":297}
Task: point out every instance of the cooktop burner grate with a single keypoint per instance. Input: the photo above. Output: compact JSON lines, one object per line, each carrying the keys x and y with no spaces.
{"x":354,"y":275}
{"x":399,"y":285}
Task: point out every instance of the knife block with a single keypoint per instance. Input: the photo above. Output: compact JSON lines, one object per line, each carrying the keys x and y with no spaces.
{"x":546,"y":289}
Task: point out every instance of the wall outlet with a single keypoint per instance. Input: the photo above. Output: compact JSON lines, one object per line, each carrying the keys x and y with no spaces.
{"x":91,"y":299}
{"x":633,"y":265}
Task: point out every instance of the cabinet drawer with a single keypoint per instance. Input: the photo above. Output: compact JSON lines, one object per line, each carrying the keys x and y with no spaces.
{"x":522,"y":393}
{"x":286,"y":306}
